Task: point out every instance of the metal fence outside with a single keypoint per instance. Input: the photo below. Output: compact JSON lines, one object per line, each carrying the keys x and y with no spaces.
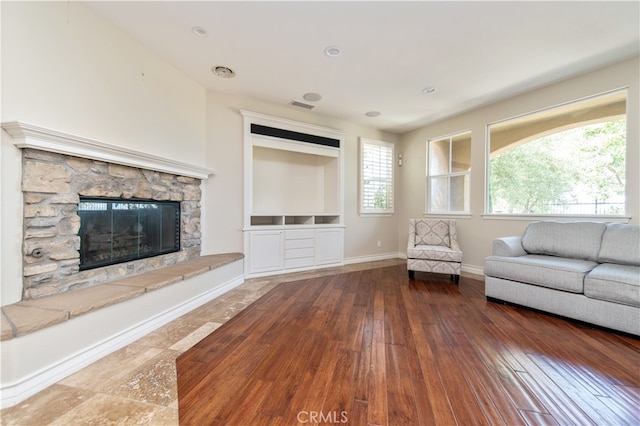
{"x":596,"y":207}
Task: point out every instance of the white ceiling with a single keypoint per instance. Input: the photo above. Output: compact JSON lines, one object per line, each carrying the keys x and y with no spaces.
{"x":475,"y":53}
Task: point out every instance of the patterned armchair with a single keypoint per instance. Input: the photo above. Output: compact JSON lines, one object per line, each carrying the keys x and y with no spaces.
{"x":433,"y":247}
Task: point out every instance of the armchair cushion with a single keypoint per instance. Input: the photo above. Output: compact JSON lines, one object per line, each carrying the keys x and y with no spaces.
{"x":440,"y":253}
{"x":432,"y":233}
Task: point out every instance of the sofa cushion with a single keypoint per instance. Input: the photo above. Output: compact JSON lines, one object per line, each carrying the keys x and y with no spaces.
{"x":432,"y":233}
{"x":577,"y":240}
{"x":546,"y":271}
{"x":614,"y":283}
{"x":620,"y":244}
{"x":434,"y":253}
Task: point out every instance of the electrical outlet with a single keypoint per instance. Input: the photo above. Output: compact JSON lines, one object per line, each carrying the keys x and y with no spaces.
{"x":379,"y":243}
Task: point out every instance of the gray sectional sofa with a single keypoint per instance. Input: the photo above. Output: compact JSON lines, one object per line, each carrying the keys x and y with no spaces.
{"x":588,"y":271}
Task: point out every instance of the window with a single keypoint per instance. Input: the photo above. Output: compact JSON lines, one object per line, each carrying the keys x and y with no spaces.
{"x":566,"y":160}
{"x":448,"y":173}
{"x":376,"y":172}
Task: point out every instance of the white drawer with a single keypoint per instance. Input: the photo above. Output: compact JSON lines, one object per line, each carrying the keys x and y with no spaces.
{"x":301,"y":243}
{"x":298,"y":253}
{"x":298,"y":263}
{"x":296,"y":234}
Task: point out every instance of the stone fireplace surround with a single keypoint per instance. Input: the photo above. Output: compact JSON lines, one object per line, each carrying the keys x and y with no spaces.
{"x":57,"y":169}
{"x":52,"y":185}
{"x":89,"y":320}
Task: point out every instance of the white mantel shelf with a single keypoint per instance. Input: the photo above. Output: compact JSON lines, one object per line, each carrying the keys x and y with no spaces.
{"x":30,"y":136}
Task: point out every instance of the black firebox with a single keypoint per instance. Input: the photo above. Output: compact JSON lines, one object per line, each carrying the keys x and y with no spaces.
{"x":118,"y":230}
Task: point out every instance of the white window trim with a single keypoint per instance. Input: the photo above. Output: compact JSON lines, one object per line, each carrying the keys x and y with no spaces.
{"x":428,"y":210}
{"x":375,"y":212}
{"x":622,"y":218}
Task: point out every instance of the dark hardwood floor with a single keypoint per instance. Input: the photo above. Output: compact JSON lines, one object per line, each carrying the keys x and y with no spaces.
{"x":374,"y":348}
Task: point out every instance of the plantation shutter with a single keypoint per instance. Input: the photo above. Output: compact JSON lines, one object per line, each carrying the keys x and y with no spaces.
{"x":377,"y":177}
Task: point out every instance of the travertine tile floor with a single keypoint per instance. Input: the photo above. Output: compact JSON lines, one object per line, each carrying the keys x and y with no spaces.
{"x":136,"y":385}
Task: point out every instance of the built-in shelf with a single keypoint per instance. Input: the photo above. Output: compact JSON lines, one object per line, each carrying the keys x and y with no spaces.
{"x":327,"y":220}
{"x":293,"y":181}
{"x":293,"y":195}
{"x":267,"y":220}
{"x":294,"y":220}
{"x":298,"y":220}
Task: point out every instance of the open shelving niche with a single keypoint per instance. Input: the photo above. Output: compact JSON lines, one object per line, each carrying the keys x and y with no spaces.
{"x":287,"y":220}
{"x":293,"y":181}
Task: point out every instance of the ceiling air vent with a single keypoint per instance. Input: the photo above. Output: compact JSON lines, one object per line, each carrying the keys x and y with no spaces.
{"x":301,"y":105}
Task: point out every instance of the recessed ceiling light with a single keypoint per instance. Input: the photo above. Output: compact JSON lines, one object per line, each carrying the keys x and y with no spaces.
{"x":372,"y":113}
{"x":429,"y":89}
{"x":223,"y":72}
{"x":332,"y":51}
{"x":312,"y":97}
{"x":199,"y":31}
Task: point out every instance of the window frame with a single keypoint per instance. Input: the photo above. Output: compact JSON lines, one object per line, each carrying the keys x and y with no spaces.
{"x":391,"y":181}
{"x":449,"y":174}
{"x":624,"y":217}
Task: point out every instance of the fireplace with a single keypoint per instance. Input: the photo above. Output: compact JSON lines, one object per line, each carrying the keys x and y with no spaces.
{"x":88,"y":221}
{"x":71,"y":182}
{"x":115,"y":230}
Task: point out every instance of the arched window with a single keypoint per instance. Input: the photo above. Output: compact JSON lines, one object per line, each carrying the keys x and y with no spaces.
{"x":566,"y":160}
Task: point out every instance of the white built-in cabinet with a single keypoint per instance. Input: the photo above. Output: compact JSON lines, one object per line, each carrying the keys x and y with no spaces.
{"x":293,"y":187}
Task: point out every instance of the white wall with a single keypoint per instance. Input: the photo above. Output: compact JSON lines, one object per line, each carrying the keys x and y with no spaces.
{"x":10,"y":222}
{"x":223,"y":215}
{"x":66,"y":69}
{"x":477,"y":232}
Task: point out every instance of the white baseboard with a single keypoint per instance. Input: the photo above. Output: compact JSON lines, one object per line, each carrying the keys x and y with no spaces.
{"x":86,"y":344}
{"x":373,"y":258}
{"x":473,"y":269}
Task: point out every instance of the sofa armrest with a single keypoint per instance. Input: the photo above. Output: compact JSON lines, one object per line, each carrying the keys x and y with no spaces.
{"x":508,"y":246}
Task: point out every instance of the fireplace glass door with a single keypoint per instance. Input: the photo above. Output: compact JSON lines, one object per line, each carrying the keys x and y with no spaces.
{"x":115,"y":230}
